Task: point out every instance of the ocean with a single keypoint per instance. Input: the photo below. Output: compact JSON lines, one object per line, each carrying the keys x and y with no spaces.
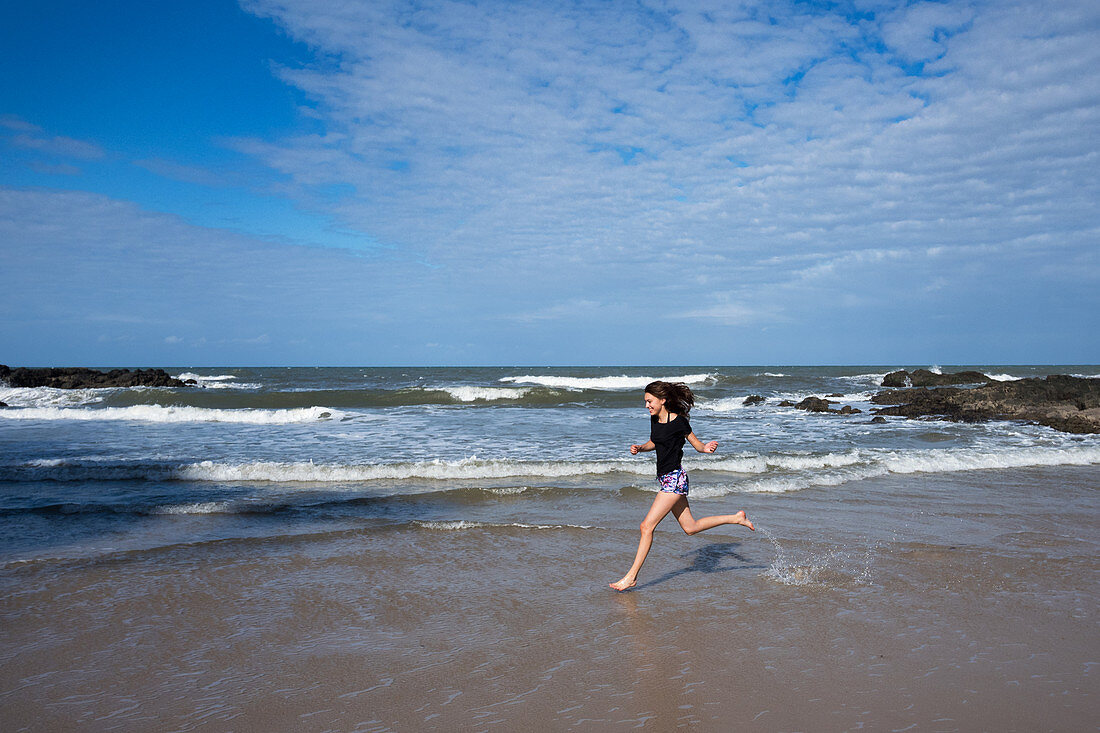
{"x":429,"y":548}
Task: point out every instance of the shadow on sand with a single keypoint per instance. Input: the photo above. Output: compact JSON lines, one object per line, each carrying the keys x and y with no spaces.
{"x":708,"y":559}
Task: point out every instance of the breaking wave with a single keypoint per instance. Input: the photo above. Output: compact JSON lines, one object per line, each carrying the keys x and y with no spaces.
{"x":170,"y":414}
{"x":769,"y":473}
{"x":603,"y":383}
{"x":467,"y":469}
{"x":485,"y":394}
{"x":205,"y":378}
{"x":733,"y":404}
{"x":436,"y":470}
{"x":807,"y":472}
{"x":218,"y":381}
{"x":52,"y":397}
{"x":201,"y":507}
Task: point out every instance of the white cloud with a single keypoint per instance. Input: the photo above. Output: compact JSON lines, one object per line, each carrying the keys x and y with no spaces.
{"x":732,"y":314}
{"x":14,"y":122}
{"x":55,"y":169}
{"x":57,"y":145}
{"x":541,"y":133}
{"x":919,"y":32}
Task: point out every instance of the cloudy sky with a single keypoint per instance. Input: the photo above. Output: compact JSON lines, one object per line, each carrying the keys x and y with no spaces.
{"x":505,"y":182}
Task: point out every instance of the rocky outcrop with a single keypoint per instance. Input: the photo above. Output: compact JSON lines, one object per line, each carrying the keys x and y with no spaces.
{"x":81,"y":378}
{"x":925,"y":378}
{"x":878,"y":419}
{"x":1069,"y":404}
{"x":753,"y":399}
{"x":899,"y":378}
{"x":817,"y":404}
{"x":814,"y":404}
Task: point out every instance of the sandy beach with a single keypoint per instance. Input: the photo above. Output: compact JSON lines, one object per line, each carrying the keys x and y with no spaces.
{"x":886,"y":608}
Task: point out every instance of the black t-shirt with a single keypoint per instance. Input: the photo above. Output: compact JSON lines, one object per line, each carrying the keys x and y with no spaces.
{"x":669,"y":438}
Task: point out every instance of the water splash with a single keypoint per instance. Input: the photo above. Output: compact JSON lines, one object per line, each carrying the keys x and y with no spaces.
{"x":834,"y":568}
{"x":783,"y":569}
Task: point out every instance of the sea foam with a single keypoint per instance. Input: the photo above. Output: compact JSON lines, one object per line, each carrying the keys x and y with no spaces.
{"x":165,"y":414}
{"x":602,"y":383}
{"x":734,"y":404}
{"x":778,"y":473}
{"x":52,"y":397}
{"x":932,"y":461}
{"x":485,"y":394}
{"x":460,"y":524}
{"x":803,"y":472}
{"x":768,"y":473}
{"x":723,"y":404}
{"x":436,"y":470}
{"x":218,"y":381}
{"x":202,"y":507}
{"x":205,"y":378}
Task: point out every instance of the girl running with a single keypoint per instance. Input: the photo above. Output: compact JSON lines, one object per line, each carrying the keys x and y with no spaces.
{"x":668,"y":406}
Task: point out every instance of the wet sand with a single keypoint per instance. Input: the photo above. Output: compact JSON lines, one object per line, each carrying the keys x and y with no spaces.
{"x":928,"y":602}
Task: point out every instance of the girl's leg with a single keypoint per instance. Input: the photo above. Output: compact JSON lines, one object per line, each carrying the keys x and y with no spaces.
{"x":690,"y":525}
{"x":662,"y":504}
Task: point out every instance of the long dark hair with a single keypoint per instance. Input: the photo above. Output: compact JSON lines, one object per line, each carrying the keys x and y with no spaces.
{"x":677,"y":396}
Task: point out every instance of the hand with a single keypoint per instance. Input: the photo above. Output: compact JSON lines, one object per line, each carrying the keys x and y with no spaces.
{"x":710,"y":447}
{"x":634,"y":449}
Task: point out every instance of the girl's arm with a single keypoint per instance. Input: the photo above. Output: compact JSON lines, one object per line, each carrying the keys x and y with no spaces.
{"x":698,"y":444}
{"x":648,"y":445}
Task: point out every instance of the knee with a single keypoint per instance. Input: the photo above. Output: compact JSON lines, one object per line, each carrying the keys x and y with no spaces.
{"x":690,"y":530}
{"x":647,"y":528}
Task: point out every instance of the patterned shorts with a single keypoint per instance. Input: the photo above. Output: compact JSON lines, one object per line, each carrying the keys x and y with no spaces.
{"x":674,"y":482}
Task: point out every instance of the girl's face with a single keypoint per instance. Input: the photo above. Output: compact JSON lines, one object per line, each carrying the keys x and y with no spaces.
{"x":653,"y":404}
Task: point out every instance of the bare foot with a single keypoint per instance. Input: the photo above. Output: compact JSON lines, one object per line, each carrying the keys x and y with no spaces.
{"x":623,"y":584}
{"x":742,"y":519}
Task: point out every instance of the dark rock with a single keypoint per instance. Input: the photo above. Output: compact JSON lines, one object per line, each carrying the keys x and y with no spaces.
{"x":190,"y":381}
{"x":786,"y":403}
{"x":925,"y":378}
{"x":1069,"y":404}
{"x":3,"y":404}
{"x":897,"y":379}
{"x":753,"y":399}
{"x":814,"y":404}
{"x":835,"y":394}
{"x":878,"y":419}
{"x":81,"y":378}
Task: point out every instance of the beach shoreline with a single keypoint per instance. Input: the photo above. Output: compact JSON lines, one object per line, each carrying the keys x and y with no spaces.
{"x":900,"y":609}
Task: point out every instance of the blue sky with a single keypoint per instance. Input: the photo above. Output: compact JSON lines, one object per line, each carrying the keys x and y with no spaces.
{"x":374,"y":183}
